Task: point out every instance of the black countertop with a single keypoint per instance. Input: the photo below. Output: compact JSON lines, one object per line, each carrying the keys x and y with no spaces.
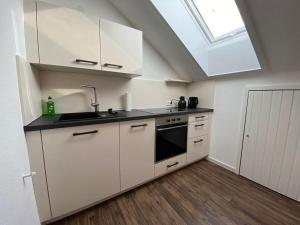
{"x":44,"y":122}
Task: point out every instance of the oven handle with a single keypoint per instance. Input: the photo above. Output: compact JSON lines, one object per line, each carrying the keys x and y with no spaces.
{"x":170,"y":128}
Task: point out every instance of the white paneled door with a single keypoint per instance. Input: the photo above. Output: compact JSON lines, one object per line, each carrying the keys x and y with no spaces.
{"x":271,"y":146}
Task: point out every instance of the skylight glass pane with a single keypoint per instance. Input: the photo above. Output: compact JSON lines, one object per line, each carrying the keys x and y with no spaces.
{"x":221,"y":16}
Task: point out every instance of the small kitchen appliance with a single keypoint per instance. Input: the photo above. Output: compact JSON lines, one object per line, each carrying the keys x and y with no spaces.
{"x":193,"y":102}
{"x":182,"y":103}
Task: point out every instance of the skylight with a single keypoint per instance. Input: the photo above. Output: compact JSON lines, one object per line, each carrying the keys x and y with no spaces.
{"x":219,"y":18}
{"x":213,"y":32}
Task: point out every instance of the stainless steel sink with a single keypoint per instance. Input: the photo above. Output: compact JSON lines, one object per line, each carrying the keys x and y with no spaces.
{"x":85,"y":116}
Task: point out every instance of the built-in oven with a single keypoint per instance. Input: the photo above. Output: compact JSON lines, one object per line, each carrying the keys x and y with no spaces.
{"x":171,"y":136}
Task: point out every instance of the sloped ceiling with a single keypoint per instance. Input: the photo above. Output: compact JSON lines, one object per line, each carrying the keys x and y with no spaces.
{"x":143,"y":15}
{"x":273,"y":26}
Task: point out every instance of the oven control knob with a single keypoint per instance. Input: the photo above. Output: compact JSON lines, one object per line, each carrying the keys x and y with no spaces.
{"x":178,"y":119}
{"x":173,"y":120}
{"x":168,"y":120}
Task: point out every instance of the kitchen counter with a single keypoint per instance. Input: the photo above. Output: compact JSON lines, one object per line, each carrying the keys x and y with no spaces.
{"x":44,"y":122}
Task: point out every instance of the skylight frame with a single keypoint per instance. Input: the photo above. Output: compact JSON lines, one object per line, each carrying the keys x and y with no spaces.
{"x":205,"y":29}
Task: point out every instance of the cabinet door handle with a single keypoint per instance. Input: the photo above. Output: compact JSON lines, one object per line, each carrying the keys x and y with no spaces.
{"x":86,"y":61}
{"x":114,"y":66}
{"x":198,"y":141}
{"x":84,"y":133}
{"x":174,"y":164}
{"x":139,"y":125}
{"x":199,"y":125}
{"x":170,"y":128}
{"x":27,"y":175}
{"x":200,"y":117}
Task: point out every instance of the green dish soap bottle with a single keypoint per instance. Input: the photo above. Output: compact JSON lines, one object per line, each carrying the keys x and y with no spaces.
{"x":50,"y":107}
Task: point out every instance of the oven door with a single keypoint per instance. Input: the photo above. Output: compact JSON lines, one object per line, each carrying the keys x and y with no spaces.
{"x":171,"y":140}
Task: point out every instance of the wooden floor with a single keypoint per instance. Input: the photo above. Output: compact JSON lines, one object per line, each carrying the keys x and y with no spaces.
{"x":202,"y":193}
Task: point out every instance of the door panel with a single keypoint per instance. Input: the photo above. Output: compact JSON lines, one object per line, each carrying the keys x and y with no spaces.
{"x":291,"y":145}
{"x":271,"y":147}
{"x":262,"y":133}
{"x":253,"y":127}
{"x":271,"y":137}
{"x":280,"y":142}
{"x":244,"y":155}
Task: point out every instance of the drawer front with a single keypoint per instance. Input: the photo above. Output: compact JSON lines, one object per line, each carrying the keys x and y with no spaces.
{"x":170,"y":165}
{"x":198,"y":128}
{"x":197,"y":148}
{"x":198,"y":117}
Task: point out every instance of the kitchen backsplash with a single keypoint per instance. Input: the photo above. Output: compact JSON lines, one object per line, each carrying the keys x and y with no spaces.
{"x":70,"y":97}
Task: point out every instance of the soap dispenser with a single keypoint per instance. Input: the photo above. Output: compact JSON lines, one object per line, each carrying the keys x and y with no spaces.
{"x":50,"y":107}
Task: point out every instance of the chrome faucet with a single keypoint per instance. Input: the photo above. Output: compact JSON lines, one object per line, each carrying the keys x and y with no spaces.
{"x":94,"y":103}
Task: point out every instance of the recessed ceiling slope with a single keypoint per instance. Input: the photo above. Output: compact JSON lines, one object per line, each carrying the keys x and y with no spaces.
{"x":144,"y":16}
{"x":213,"y":32}
{"x":274,"y":27}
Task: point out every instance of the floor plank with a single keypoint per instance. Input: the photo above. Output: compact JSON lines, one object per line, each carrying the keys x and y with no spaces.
{"x":201,"y":194}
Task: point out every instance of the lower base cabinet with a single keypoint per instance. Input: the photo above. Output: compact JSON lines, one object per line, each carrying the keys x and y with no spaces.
{"x":137,"y":140}
{"x":76,"y":167}
{"x":198,"y":136}
{"x":82,"y":165}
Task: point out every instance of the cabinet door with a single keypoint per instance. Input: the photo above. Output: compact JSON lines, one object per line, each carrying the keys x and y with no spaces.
{"x":121,"y":48}
{"x":136,"y":152}
{"x":82,"y":165}
{"x":39,"y":180}
{"x":67,"y":37}
{"x":197,"y":148}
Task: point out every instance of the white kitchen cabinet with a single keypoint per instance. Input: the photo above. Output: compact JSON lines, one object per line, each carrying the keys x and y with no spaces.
{"x":82,"y":165}
{"x":197,"y":148}
{"x":121,"y":48}
{"x":137,"y":140}
{"x":39,"y":179}
{"x":67,"y":37}
{"x":198,"y":136}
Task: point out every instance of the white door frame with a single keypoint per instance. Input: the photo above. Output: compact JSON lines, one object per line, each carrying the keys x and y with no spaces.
{"x":244,"y":110}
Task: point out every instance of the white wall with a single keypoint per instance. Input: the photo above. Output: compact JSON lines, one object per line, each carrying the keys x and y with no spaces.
{"x":17,"y":204}
{"x":227,"y":104}
{"x":68,"y":95}
{"x":205,"y":91}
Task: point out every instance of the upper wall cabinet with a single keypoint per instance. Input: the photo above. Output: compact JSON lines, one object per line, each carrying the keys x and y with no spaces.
{"x":67,"y":37}
{"x":121,"y":48}
{"x":62,"y":37}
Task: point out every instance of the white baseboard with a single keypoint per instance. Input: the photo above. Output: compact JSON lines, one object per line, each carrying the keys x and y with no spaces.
{"x":224,"y":165}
